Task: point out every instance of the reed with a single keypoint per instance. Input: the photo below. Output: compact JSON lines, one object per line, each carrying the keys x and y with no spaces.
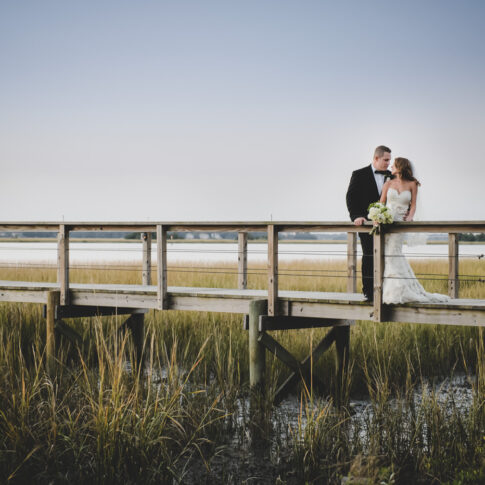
{"x":101,"y":420}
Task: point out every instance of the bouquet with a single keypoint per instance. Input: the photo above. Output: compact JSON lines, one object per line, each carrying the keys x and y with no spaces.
{"x":380,"y":214}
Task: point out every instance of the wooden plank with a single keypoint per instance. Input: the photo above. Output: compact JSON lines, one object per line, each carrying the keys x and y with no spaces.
{"x":437,"y":316}
{"x":320,"y":226}
{"x":124,"y":300}
{"x":113,"y":226}
{"x":282,"y":322}
{"x":72,"y":311}
{"x":30,"y":226}
{"x":272,"y":269}
{"x":438,"y":227}
{"x":301,"y":304}
{"x":351,"y":262}
{"x":63,"y":263}
{"x":209,"y":304}
{"x":162,"y":267}
{"x":331,"y":310}
{"x":453,"y":282}
{"x":378,"y":274}
{"x":293,"y":299}
{"x":242,"y":260}
{"x":146,"y":278}
{"x":22,"y":296}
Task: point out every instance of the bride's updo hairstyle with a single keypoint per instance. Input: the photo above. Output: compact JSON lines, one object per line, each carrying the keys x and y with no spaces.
{"x":403,"y":166}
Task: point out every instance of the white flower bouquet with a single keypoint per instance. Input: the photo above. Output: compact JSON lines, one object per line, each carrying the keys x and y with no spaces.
{"x":379,"y":214}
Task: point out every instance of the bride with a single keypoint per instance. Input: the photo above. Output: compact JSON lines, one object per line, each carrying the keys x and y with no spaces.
{"x":400,"y":283}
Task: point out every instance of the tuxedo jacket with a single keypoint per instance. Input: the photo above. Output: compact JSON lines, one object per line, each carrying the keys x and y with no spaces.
{"x":362,"y":192}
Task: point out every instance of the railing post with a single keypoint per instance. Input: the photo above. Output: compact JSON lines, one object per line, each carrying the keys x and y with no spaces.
{"x":351,"y":262}
{"x":162,"y":267}
{"x":146,"y":276}
{"x":242,"y":260}
{"x":272,"y":269}
{"x":453,"y":282}
{"x":63,"y":263}
{"x":378,"y":273}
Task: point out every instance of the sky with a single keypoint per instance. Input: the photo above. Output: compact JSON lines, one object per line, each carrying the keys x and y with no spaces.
{"x":236,"y":110}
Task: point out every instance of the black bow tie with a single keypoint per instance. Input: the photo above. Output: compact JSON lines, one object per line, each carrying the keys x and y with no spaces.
{"x":383,"y":172}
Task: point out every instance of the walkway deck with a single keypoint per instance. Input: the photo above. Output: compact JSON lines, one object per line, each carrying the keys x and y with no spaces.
{"x":350,"y":306}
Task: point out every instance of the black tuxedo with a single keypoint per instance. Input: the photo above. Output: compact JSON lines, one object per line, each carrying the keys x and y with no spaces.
{"x":361,"y":193}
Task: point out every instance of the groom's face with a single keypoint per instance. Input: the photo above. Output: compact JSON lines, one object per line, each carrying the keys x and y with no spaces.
{"x":382,"y":163}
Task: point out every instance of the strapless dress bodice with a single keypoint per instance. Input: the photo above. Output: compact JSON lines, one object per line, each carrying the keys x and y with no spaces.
{"x":398,"y":203}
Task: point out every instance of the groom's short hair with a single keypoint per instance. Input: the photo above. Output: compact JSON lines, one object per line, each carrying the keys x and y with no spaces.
{"x":380,"y":150}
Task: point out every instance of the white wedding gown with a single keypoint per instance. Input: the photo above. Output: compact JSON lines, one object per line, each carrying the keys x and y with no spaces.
{"x":400,"y":283}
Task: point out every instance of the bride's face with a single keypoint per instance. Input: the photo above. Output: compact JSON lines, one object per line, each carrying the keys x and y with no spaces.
{"x":394,"y":170}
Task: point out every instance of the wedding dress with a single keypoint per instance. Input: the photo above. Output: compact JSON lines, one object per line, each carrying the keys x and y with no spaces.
{"x":400,"y":283}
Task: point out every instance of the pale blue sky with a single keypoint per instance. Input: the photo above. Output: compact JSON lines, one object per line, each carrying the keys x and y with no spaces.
{"x":232,"y":110}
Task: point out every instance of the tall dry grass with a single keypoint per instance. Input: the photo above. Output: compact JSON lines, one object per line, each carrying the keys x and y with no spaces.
{"x":101,"y":420}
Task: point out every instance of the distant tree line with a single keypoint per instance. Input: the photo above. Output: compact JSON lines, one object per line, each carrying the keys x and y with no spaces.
{"x":231,"y":236}
{"x":469,"y":236}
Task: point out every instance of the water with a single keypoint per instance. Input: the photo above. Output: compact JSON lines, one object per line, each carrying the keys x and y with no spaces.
{"x":131,"y":252}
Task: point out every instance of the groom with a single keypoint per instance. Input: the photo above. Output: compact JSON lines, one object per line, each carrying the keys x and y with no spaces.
{"x":365,"y":187}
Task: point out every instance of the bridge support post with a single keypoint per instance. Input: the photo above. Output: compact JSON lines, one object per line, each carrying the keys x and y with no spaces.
{"x":53,"y":300}
{"x":342,"y":343}
{"x":136,"y":324}
{"x":256,"y":349}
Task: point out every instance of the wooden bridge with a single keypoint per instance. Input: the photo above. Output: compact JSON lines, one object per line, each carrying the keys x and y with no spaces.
{"x":265,"y":310}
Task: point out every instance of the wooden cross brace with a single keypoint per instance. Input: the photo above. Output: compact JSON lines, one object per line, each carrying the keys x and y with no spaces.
{"x":299,"y":369}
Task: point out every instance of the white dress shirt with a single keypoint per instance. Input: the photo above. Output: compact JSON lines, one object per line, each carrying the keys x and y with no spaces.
{"x":379,"y":179}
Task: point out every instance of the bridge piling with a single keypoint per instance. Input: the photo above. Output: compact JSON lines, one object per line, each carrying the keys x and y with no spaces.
{"x":53,"y":300}
{"x":257,"y":360}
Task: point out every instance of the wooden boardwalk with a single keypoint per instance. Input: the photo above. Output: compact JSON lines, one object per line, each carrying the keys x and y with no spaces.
{"x":266,"y":309}
{"x":340,"y":306}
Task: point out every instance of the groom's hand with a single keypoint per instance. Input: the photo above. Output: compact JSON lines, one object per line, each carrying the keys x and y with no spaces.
{"x":359,"y":221}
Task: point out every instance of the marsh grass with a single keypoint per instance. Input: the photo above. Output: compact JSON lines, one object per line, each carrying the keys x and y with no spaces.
{"x":102,"y":420}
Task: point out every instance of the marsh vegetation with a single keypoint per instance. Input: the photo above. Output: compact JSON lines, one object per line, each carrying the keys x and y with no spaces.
{"x":185,"y":416}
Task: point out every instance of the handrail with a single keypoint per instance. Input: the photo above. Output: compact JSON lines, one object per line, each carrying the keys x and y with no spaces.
{"x":283,"y":226}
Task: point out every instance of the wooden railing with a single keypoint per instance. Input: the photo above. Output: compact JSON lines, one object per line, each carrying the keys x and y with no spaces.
{"x":242,"y":228}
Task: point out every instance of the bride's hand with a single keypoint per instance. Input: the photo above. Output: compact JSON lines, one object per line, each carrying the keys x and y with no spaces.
{"x":408,"y":218}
